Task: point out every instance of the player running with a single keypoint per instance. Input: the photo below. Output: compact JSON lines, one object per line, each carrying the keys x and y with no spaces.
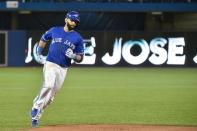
{"x":66,"y":44}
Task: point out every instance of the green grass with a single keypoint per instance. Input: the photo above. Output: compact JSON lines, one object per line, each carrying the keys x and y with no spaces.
{"x":163,"y":96}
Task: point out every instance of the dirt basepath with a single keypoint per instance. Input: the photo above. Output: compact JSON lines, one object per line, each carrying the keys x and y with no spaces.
{"x":113,"y":128}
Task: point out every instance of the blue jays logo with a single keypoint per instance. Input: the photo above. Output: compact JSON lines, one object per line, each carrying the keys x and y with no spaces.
{"x":71,"y":45}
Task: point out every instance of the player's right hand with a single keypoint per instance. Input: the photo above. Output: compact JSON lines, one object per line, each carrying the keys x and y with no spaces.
{"x":38,"y":56}
{"x":41,"y":59}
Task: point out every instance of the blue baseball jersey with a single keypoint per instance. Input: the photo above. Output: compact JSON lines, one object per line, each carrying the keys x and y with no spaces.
{"x":60,"y":42}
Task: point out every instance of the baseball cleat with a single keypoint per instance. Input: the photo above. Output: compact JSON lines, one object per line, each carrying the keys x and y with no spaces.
{"x":34,"y":123}
{"x":35,"y":116}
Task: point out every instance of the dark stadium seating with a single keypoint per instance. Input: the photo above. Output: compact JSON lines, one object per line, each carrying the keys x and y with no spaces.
{"x":97,"y":14}
{"x":104,"y":1}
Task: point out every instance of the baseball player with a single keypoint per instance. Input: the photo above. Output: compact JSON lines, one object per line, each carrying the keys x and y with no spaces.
{"x":66,"y":44}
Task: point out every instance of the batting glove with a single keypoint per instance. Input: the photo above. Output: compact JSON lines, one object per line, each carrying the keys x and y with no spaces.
{"x":40,"y":59}
{"x":70,"y":54}
{"x":37,"y":53}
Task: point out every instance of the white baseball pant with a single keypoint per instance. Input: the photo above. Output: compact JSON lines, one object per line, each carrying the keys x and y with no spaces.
{"x":54,"y":76}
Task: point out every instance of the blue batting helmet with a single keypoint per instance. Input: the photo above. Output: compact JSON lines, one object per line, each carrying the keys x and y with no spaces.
{"x":74,"y":16}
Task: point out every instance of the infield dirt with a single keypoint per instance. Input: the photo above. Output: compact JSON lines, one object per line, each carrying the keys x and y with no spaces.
{"x":113,"y":128}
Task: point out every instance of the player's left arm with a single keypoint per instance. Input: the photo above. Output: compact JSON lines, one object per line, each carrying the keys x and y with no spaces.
{"x":78,"y":57}
{"x":78,"y":53}
{"x":79,"y":50}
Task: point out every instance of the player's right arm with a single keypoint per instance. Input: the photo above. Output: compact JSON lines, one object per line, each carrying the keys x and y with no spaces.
{"x":39,"y":57}
{"x":41,"y":46}
{"x":44,"y":39}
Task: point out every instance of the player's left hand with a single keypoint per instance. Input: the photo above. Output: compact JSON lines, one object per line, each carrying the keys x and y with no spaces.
{"x":70,"y":54}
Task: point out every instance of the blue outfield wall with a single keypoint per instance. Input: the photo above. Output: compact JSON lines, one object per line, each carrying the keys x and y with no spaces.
{"x":16,"y":48}
{"x":122,"y":49}
{"x":130,"y":49}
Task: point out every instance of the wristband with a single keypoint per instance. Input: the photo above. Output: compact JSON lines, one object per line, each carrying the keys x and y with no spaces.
{"x":39,"y":50}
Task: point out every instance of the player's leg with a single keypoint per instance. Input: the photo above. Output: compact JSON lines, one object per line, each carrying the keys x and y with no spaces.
{"x":60,"y":77}
{"x":49,"y":99}
{"x":48,"y":83}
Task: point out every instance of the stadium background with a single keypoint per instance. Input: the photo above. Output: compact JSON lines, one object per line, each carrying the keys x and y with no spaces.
{"x":110,"y":95}
{"x":105,"y":21}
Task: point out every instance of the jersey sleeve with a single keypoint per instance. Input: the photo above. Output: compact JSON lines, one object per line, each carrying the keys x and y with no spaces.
{"x":79,"y":47}
{"x":47,"y":35}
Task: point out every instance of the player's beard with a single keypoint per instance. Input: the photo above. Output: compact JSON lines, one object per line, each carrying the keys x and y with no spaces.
{"x":69,"y":26}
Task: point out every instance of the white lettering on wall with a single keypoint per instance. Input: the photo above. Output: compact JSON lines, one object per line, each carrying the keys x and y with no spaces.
{"x":116,"y":56}
{"x":175,"y":51}
{"x":159,"y":55}
{"x":159,"y":51}
{"x":138,"y":59}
